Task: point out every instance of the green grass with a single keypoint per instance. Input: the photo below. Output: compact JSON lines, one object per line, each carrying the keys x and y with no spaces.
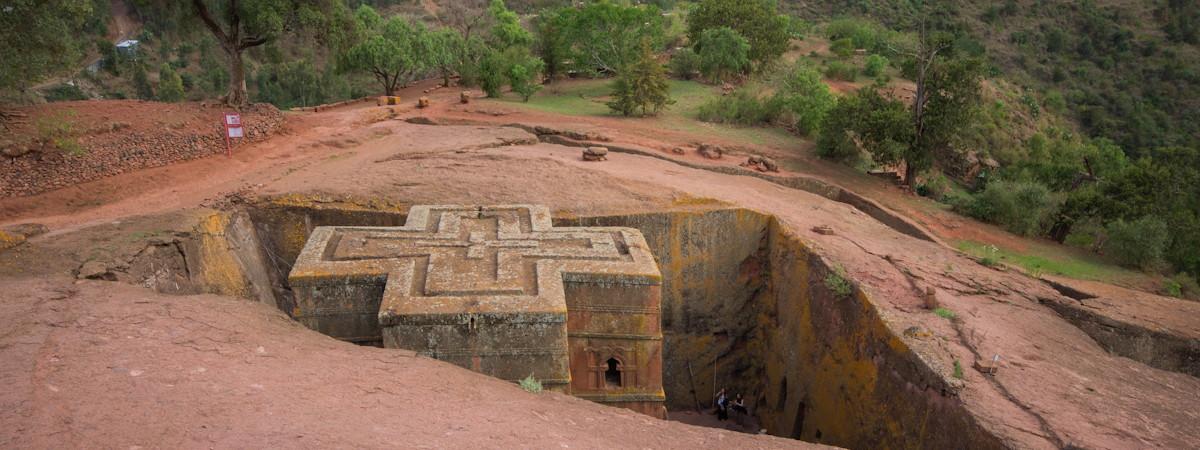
{"x":837,"y":283}
{"x":1062,"y":263}
{"x":588,"y":98}
{"x":945,"y":313}
{"x":958,"y":370}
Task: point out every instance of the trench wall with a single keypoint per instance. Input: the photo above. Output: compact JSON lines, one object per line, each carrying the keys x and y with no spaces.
{"x":745,"y":307}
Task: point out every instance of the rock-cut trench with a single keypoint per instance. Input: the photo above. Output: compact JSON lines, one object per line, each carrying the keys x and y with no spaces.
{"x":744,"y":307}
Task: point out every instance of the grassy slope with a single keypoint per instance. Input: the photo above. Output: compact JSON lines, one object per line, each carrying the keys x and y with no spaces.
{"x":587,"y":98}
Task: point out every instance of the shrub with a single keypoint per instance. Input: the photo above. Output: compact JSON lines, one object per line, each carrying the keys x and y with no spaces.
{"x":1140,"y":243}
{"x":685,"y":64}
{"x":842,"y":47}
{"x":875,"y":66}
{"x":65,"y":92}
{"x":1022,"y":207}
{"x":741,"y":107}
{"x":958,"y":370}
{"x":170,"y":85}
{"x":862,"y":33}
{"x":1184,"y":286}
{"x":934,"y":185}
{"x":531,"y":384}
{"x":839,"y":70}
{"x":837,"y":283}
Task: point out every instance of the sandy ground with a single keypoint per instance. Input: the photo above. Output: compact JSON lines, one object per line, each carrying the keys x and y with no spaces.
{"x":1056,"y":385}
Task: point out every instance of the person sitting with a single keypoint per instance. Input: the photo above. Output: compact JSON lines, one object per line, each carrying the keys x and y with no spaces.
{"x":739,"y":408}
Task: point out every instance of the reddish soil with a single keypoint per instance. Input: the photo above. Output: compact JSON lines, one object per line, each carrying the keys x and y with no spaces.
{"x":106,"y":365}
{"x":1056,"y":386}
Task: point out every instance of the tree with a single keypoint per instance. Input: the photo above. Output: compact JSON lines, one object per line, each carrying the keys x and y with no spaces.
{"x":239,"y":25}
{"x":869,"y":121}
{"x":391,"y":50}
{"x":444,"y":49}
{"x":757,"y":20}
{"x":875,"y":66}
{"x":39,"y":37}
{"x":804,"y":98}
{"x":643,"y":85}
{"x":947,"y":92}
{"x":524,"y":74}
{"x":466,"y":16}
{"x":601,"y":36}
{"x":723,"y":54}
{"x":170,"y":85}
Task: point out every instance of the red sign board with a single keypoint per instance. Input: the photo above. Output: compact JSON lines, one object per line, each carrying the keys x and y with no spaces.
{"x":233,"y":130}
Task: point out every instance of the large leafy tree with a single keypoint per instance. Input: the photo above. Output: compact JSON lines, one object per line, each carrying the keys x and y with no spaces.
{"x":723,"y":54}
{"x":40,"y":37}
{"x":393,"y":50}
{"x":757,"y":20}
{"x":444,"y":49}
{"x":600,"y":37}
{"x":642,"y":87}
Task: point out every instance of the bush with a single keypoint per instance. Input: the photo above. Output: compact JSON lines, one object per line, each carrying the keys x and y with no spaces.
{"x":1022,"y":207}
{"x":876,"y":64}
{"x":842,"y":47}
{"x":1140,"y":243}
{"x":170,"y":85}
{"x":934,"y":185}
{"x":531,"y":384}
{"x":861,"y":33}
{"x":839,"y":70}
{"x":802,"y":100}
{"x":1184,"y":286}
{"x":685,"y":64}
{"x":65,"y":92}
{"x":741,"y":107}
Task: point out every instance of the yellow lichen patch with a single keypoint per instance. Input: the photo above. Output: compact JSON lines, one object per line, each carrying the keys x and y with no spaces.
{"x":689,"y":200}
{"x":219,"y":270}
{"x":10,"y":240}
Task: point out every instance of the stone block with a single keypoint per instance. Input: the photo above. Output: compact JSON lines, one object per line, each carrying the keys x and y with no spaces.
{"x":498,"y":290}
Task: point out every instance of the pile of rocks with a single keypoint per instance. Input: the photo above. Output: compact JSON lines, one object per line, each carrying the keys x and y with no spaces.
{"x":126,"y":150}
{"x":761,"y":164}
{"x":710,"y":151}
